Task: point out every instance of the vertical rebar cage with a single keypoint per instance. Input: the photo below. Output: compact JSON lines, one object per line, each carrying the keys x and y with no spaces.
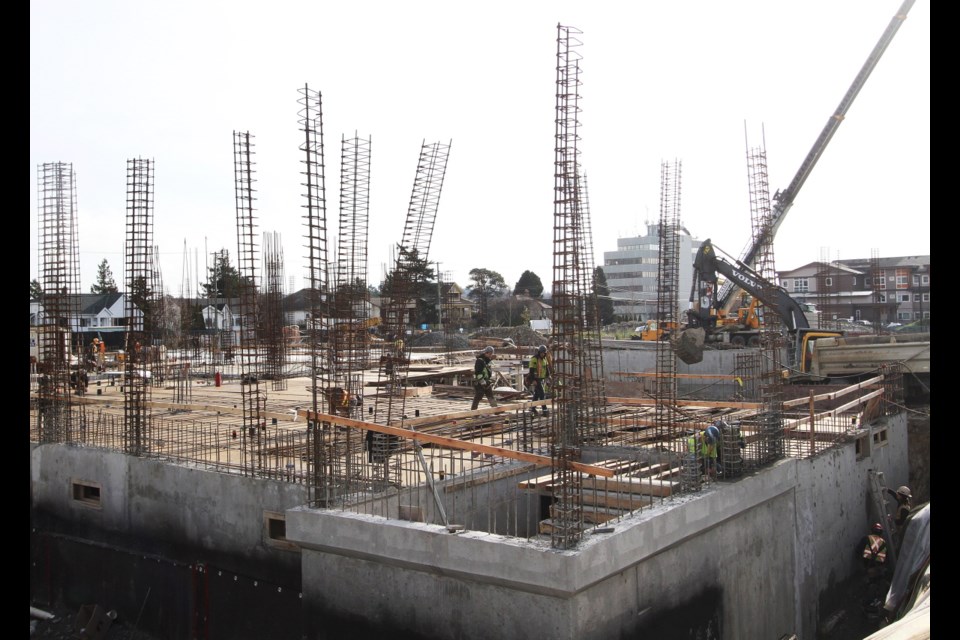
{"x":566,"y":350}
{"x":141,"y":307}
{"x":59,"y":283}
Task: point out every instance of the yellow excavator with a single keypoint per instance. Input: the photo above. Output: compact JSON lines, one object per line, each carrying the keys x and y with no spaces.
{"x":654,"y":330}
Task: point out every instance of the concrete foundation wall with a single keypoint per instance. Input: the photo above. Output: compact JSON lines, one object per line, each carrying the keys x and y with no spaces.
{"x":745,"y":559}
{"x":161,"y":505}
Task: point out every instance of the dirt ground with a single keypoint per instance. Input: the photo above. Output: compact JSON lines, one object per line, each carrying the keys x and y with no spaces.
{"x":63,"y":626}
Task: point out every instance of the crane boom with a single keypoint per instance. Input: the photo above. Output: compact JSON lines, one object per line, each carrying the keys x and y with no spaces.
{"x":783,"y":200}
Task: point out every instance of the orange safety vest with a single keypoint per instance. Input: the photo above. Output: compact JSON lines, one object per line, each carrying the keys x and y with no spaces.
{"x":875,"y":549}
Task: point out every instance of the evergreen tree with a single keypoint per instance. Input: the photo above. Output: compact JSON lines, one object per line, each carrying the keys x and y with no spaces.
{"x":530,"y":283}
{"x":105,"y":282}
{"x":487,"y":285}
{"x":224,"y":279}
{"x":602,"y":292}
{"x":36,"y":291}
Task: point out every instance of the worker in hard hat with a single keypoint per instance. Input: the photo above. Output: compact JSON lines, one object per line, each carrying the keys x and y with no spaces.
{"x":539,"y":372}
{"x":872,"y":550}
{"x":703,"y":444}
{"x":483,"y":378}
{"x":903,"y":496}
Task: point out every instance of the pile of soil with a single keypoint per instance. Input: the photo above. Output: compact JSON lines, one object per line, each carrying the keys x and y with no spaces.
{"x":522,"y":336}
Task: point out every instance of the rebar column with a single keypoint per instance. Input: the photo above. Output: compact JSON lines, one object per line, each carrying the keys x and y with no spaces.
{"x":58,"y":244}
{"x":140,"y":306}
{"x":254,"y":401}
{"x":770,"y":444}
{"x":823,"y":289}
{"x":566,"y":355}
{"x":275,"y":346}
{"x":668,"y":314}
{"x":878,"y":286}
{"x":315,"y":221}
{"x":350,"y":321}
{"x":592,"y":427}
{"x":407,"y":278}
{"x":158,"y":335}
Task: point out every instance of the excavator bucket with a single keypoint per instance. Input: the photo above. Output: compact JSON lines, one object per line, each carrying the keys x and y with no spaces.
{"x":688,"y":344}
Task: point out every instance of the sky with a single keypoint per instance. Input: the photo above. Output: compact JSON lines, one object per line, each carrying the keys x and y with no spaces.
{"x":694,"y":82}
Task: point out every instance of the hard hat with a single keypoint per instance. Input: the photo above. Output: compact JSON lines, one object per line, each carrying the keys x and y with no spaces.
{"x":542,"y":349}
{"x":488,"y":350}
{"x":877,"y":527}
{"x":712,"y":434}
{"x":904,"y":491}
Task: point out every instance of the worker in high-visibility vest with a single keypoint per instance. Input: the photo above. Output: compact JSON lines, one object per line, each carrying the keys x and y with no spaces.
{"x":538,"y":374}
{"x":703,"y":444}
{"x":483,"y":379}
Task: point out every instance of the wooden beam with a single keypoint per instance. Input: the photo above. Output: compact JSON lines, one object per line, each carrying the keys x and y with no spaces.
{"x":641,"y":402}
{"x":453,"y":443}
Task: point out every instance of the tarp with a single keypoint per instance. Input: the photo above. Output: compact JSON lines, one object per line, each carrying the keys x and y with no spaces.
{"x":912,"y":561}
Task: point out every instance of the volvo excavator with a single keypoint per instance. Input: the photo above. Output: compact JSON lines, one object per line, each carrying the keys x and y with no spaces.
{"x":715,"y":325}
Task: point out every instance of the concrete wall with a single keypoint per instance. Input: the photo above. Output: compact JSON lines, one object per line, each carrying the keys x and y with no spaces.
{"x":638,"y":356}
{"x":163,"y":507}
{"x":744,"y":559}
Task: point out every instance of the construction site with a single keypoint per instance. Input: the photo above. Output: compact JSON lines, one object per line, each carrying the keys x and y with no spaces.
{"x":287,"y":485}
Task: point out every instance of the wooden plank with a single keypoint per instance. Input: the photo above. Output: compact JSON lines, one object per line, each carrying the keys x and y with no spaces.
{"x":639,"y":402}
{"x":452,"y":443}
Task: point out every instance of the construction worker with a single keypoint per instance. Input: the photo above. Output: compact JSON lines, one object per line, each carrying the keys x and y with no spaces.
{"x":483,"y":379}
{"x":903,"y":496}
{"x":101,"y":353}
{"x":873,"y":551}
{"x":539,"y":371}
{"x":873,"y":556}
{"x":703,"y":444}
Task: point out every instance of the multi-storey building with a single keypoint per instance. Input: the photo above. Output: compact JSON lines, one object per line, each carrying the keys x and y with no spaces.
{"x":878,"y":290}
{"x":631,"y":273}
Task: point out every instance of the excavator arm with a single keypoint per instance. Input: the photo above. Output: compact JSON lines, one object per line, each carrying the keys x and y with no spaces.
{"x":707,"y":268}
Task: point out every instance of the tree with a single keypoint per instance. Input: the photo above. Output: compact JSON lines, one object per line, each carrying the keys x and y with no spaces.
{"x":602,"y":293}
{"x":486,"y":285}
{"x":105,"y":282}
{"x":421,"y":287}
{"x":530,"y":284}
{"x":224,"y":279}
{"x":36,"y":291}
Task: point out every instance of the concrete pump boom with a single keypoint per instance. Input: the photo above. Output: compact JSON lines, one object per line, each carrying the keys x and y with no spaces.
{"x":783,"y":200}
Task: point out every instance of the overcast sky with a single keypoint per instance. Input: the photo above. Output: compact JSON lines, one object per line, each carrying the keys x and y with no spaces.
{"x":694,"y":81}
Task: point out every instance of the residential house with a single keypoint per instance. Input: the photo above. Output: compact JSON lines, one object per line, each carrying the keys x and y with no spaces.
{"x":456,"y":311}
{"x":878,"y":290}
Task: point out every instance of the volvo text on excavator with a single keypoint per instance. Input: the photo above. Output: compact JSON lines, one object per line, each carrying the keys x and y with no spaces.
{"x":707,"y":315}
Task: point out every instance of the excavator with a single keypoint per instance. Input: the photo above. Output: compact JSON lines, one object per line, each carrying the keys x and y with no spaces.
{"x":716,"y":325}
